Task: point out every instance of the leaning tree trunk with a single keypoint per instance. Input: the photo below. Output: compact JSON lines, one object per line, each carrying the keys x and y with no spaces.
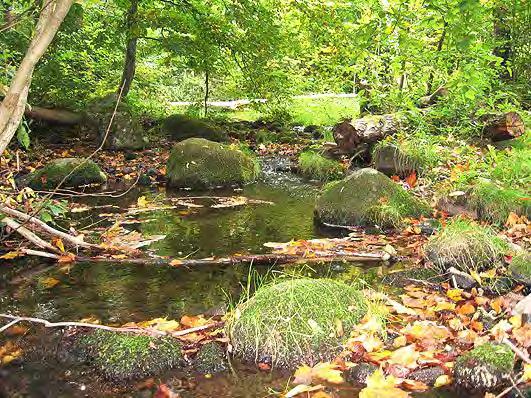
{"x":130,"y":50}
{"x":352,"y":136}
{"x":14,"y":103}
{"x":500,"y":127}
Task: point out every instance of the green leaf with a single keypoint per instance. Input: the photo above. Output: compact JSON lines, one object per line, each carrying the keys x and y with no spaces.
{"x":23,"y":135}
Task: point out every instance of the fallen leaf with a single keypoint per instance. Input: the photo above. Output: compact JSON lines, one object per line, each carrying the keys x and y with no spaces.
{"x":442,"y":380}
{"x":48,"y":282}
{"x":378,"y":386}
{"x":11,"y":255}
{"x":302,"y":388}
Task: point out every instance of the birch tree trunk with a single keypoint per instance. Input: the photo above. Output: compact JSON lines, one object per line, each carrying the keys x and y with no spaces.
{"x":14,"y":103}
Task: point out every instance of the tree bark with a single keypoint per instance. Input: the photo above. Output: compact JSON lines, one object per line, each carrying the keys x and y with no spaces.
{"x":130,"y":50}
{"x":505,"y":126}
{"x":14,"y":103}
{"x":351,"y":134}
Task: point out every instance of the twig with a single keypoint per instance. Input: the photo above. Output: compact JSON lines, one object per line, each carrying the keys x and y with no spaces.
{"x":14,"y":321}
{"x":26,"y":233}
{"x":39,"y":253}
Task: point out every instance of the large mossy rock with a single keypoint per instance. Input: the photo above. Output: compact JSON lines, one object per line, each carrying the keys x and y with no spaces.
{"x":79,"y":171}
{"x":199,"y":163}
{"x":486,"y":367}
{"x":210,"y":359}
{"x":180,"y":127}
{"x":295,"y":321}
{"x":520,"y":267}
{"x":126,"y":356}
{"x":125,"y":132}
{"x":390,"y":160}
{"x":367,"y":197}
{"x":466,"y":246}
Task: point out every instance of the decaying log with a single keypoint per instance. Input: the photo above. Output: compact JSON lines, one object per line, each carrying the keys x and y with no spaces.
{"x":500,"y":127}
{"x":434,"y":97}
{"x":351,"y":134}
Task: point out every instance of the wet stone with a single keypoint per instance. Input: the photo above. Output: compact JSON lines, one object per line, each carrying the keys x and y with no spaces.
{"x":359,"y":373}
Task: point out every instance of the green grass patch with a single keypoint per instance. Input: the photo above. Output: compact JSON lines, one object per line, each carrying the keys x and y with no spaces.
{"x":295,"y":321}
{"x":466,"y":246}
{"x":494,"y":203}
{"x":316,"y":166}
{"x":521,"y":265}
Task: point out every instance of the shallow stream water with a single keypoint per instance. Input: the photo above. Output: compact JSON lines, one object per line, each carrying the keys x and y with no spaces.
{"x":119,"y":293}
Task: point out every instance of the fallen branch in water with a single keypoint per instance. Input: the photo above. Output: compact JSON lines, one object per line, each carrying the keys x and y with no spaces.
{"x":26,"y":233}
{"x":41,"y":225}
{"x":178,"y":333}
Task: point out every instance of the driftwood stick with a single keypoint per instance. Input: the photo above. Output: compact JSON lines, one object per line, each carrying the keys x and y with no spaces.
{"x":26,"y":233}
{"x":45,"y":227}
{"x":255,"y":259}
{"x":40,"y":253}
{"x":48,"y":324}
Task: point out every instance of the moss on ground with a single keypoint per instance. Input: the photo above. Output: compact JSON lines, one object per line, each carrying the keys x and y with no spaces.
{"x":199,"y":163}
{"x":316,"y":166}
{"x":466,"y":246}
{"x":210,"y":359}
{"x":520,"y":266}
{"x":79,"y":171}
{"x":295,"y":321}
{"x":180,"y":127}
{"x":494,"y":203}
{"x":499,"y":356}
{"x":367,"y":197}
{"x":124,"y":356}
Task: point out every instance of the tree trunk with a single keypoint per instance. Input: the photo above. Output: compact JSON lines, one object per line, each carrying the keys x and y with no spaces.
{"x":505,"y":126}
{"x":130,"y":50}
{"x":207,"y":92}
{"x":14,"y":103}
{"x":351,"y":134}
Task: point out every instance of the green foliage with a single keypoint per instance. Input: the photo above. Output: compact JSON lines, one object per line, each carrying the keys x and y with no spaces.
{"x":316,"y":166}
{"x":367,"y":197}
{"x":466,"y":246}
{"x":294,"y":321}
{"x":199,"y":163}
{"x":123,"y":357}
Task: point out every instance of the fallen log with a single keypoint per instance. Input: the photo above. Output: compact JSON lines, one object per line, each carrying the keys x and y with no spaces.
{"x":500,"y":127}
{"x":352,"y":134}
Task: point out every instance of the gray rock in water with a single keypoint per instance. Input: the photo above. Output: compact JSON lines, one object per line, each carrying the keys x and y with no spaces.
{"x":427,"y":375}
{"x":360,"y":372}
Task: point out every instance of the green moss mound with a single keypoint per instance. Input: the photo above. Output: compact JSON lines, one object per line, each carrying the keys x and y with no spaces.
{"x":124,"y":356}
{"x":199,"y":163}
{"x":79,"y":171}
{"x":295,"y":321}
{"x":520,"y":266}
{"x":316,"y":166}
{"x":181,"y":127}
{"x":485,"y":367}
{"x":367,"y":197}
{"x":466,"y":246}
{"x":493,"y":203}
{"x":210,"y":359}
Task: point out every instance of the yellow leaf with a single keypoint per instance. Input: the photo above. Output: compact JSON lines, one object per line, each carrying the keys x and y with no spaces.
{"x":59,"y":243}
{"x":400,"y":341}
{"x":302,"y":388}
{"x":175,"y":262}
{"x":406,"y":356}
{"x":323,"y":371}
{"x":526,"y":377}
{"x":516,"y":321}
{"x":49,"y":282}
{"x":491,"y":273}
{"x":476,"y":276}
{"x":378,"y":386}
{"x":142,"y":201}
{"x":454,"y":294}
{"x":11,"y":255}
{"x":444,"y":306}
{"x":442,"y":380}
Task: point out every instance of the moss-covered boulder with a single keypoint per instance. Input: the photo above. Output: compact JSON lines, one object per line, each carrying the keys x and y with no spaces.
{"x":486,"y":367}
{"x":295,"y":321}
{"x":199,"y":163}
{"x":128,"y":356}
{"x":520,"y":267}
{"x":494,"y":203}
{"x":210,"y":359}
{"x":315,"y":166}
{"x":180,"y":127}
{"x":367,"y":197}
{"x":390,"y":160}
{"x":466,"y":246}
{"x":77,"y":171}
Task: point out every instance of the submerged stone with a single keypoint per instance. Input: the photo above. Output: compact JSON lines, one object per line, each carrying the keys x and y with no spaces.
{"x":180,"y":127}
{"x":295,"y":321}
{"x":486,"y":367}
{"x":367,"y":197}
{"x":77,"y":171}
{"x":199,"y":163}
{"x":127,"y":356}
{"x":210,"y":359}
